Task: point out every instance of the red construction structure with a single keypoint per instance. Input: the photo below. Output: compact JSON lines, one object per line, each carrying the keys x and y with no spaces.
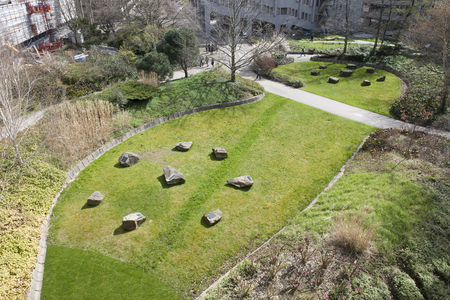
{"x":43,"y":8}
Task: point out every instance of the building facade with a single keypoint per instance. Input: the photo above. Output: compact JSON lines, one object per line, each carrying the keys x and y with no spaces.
{"x":25,"y":23}
{"x":309,"y":16}
{"x":283,"y":15}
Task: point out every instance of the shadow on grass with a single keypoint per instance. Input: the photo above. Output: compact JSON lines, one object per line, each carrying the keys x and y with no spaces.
{"x":245,"y":189}
{"x":86,"y":206}
{"x":119,"y":230}
{"x":119,"y":166}
{"x":175,"y":149}
{"x":164,"y":184}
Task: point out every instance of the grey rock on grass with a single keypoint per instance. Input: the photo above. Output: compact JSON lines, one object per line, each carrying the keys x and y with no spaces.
{"x":213,"y":218}
{"x":127,"y":159}
{"x":241,"y":181}
{"x":183,"y":146}
{"x":95,"y":199}
{"x":173,"y":176}
{"x":133,"y":221}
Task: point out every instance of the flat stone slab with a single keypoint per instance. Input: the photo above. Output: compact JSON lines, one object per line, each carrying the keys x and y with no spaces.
{"x":241,"y":181}
{"x":133,"y":221}
{"x":333,"y":80}
{"x":95,"y":199}
{"x":183,"y":146}
{"x":213,"y":218}
{"x":370,"y":70}
{"x":365,"y":83}
{"x":173,"y":176}
{"x":219,"y":153}
{"x":315,"y":72}
{"x":351,"y":66}
{"x":323,"y":67}
{"x":382,"y":78}
{"x":127,"y":159}
{"x":346,"y":73}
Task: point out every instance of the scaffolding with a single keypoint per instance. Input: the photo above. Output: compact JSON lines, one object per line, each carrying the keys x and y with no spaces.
{"x":26,"y":23}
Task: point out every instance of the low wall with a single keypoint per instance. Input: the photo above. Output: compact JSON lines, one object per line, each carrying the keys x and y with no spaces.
{"x":34,"y":291}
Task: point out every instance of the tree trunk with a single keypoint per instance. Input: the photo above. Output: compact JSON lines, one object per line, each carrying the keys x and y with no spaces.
{"x":446,"y":69}
{"x":380,"y":19}
{"x":18,"y":155}
{"x":185,"y":69}
{"x":233,"y":75}
{"x":347,"y":8}
{"x":387,"y":22}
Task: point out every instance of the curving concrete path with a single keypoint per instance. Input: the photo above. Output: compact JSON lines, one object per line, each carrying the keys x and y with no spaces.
{"x":338,"y":108}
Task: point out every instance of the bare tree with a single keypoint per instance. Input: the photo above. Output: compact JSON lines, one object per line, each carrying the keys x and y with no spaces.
{"x":379,"y":26}
{"x":163,"y":13}
{"x":431,"y":35}
{"x":15,"y":89}
{"x":235,"y":32}
{"x":339,"y":19}
{"x":71,"y":17}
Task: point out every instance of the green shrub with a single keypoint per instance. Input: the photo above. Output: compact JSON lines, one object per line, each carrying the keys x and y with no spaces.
{"x":404,"y":288}
{"x":296,"y":83}
{"x":155,"y":62}
{"x":135,"y":90}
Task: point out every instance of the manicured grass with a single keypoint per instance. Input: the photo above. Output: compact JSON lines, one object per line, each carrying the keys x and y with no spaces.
{"x":89,"y":275}
{"x":378,"y":97}
{"x":290,"y":150}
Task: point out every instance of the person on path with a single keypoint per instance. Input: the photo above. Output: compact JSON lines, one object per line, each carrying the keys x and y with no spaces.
{"x":212,"y":61}
{"x":201,"y":61}
{"x":258,"y":75}
{"x":207,"y":61}
{"x":303,"y":51}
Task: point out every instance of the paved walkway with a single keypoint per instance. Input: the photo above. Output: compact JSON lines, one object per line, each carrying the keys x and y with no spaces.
{"x":337,"y":108}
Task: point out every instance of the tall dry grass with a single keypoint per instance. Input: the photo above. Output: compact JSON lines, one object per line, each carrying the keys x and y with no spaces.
{"x":74,"y":129}
{"x":150,"y":78}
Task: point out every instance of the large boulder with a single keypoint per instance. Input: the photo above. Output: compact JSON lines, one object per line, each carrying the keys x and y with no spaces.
{"x":95,"y":199}
{"x":315,"y":72}
{"x":333,"y":80}
{"x":213,"y":218}
{"x":183,"y":146}
{"x":365,"y":83}
{"x":382,"y":78}
{"x":346,"y":73}
{"x":127,"y":159}
{"x":219,"y":153}
{"x":241,"y":182}
{"x":370,"y":70}
{"x":323,"y":66}
{"x":173,"y":176}
{"x":351,"y":66}
{"x":133,"y":221}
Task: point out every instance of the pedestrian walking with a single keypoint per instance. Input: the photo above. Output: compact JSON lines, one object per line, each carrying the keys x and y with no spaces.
{"x":201,"y":61}
{"x":207,"y":61}
{"x":303,"y":51}
{"x":258,"y":75}
{"x":212,"y":61}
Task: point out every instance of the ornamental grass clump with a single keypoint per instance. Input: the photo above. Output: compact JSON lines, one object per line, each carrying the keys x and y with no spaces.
{"x":352,"y":235}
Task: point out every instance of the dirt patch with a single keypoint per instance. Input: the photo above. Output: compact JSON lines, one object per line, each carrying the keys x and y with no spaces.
{"x":157,"y":157}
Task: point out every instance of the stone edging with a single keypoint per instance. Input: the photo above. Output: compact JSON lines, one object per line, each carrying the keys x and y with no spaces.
{"x":34,"y":291}
{"x":311,"y":204}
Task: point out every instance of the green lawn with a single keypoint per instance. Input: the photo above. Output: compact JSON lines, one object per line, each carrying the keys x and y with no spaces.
{"x":291,"y":151}
{"x":378,"y":97}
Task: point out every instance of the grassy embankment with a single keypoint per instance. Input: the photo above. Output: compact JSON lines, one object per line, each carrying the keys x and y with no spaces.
{"x":378,"y":97}
{"x":291,"y":151}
